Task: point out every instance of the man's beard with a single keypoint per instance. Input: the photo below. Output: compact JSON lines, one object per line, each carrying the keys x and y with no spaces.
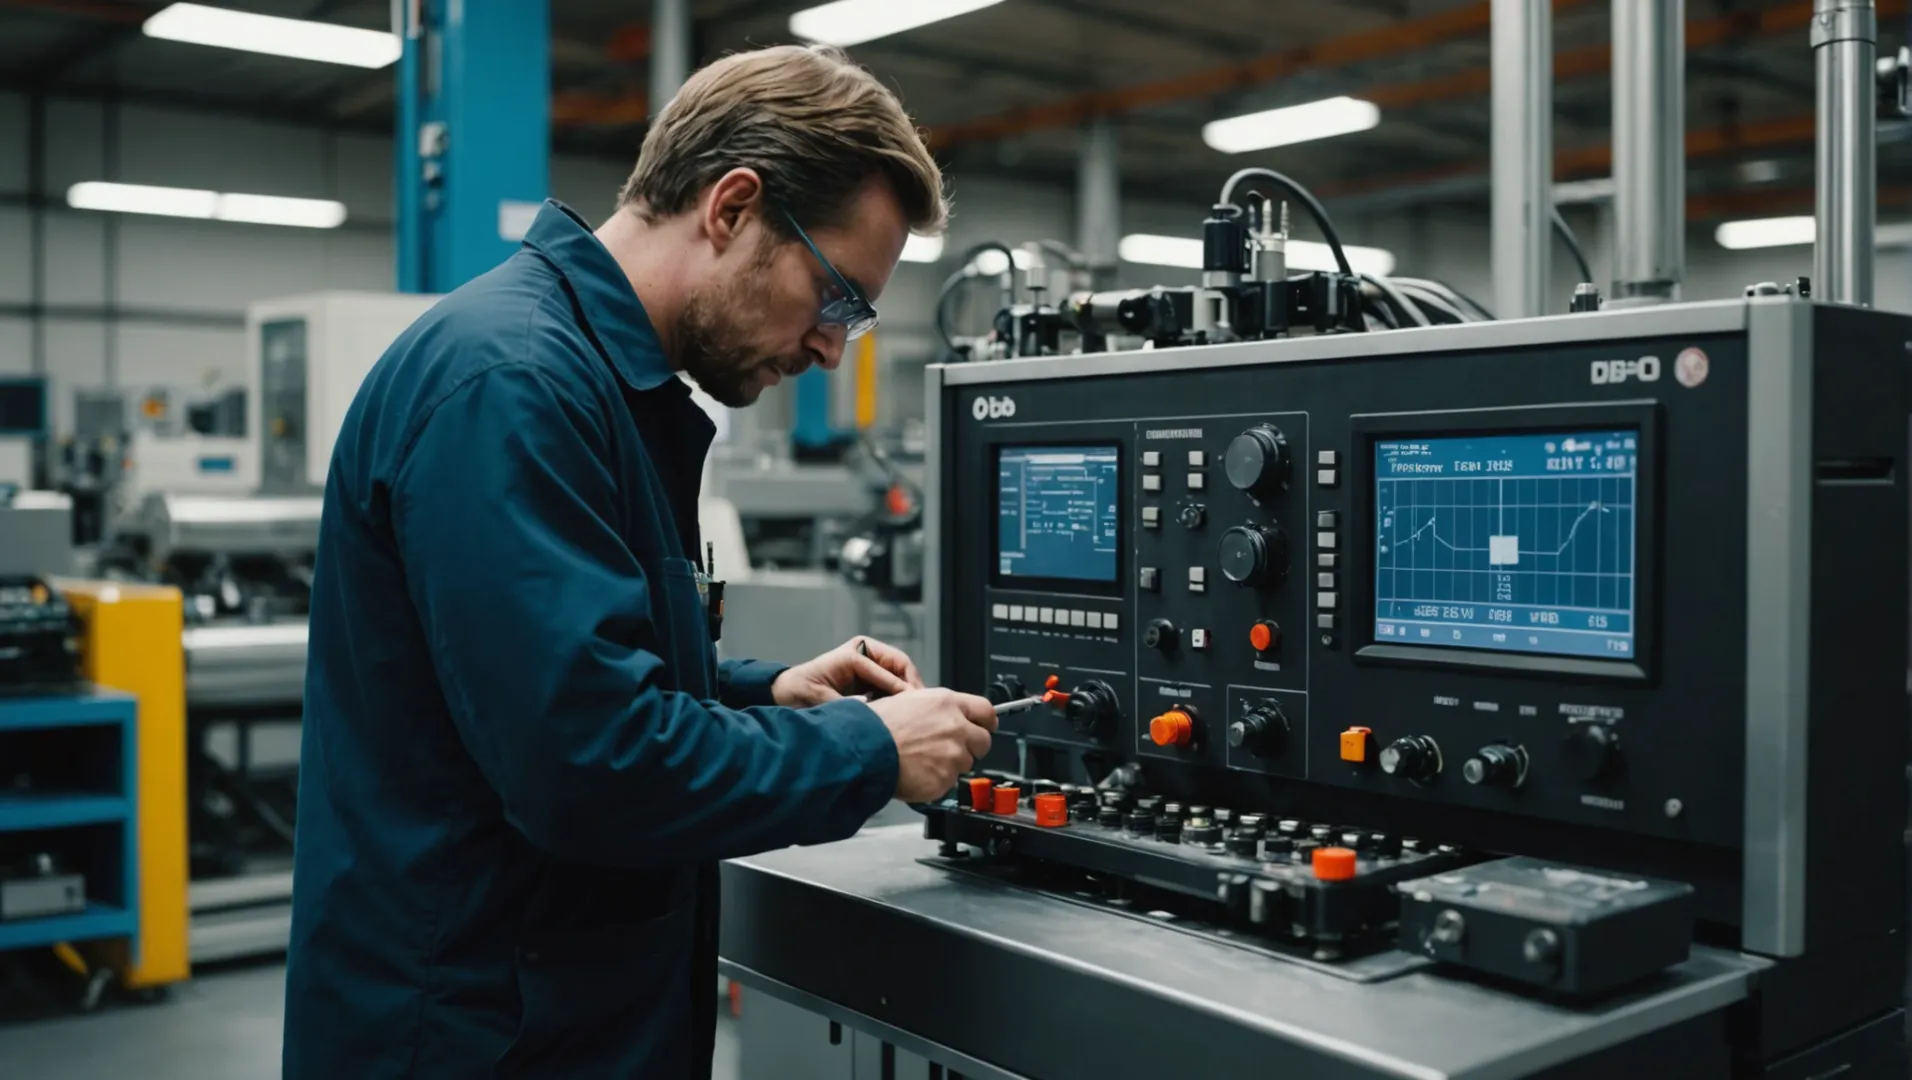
{"x":711,"y":340}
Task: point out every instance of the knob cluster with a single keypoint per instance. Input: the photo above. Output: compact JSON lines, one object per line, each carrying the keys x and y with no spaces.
{"x":1261,"y":731}
{"x":1254,"y":555}
{"x":1414,"y":757}
{"x":1496,"y":765}
{"x":1257,"y":461}
{"x":1092,"y":707}
{"x":1008,"y":688}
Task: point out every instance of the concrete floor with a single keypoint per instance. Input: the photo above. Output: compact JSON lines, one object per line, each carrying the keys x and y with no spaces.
{"x":223,"y":1025}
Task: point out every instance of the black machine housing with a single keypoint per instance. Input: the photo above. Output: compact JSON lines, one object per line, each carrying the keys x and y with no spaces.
{"x":1749,"y":740}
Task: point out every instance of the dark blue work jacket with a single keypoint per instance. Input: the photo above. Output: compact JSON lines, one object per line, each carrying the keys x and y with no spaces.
{"x":521,"y":758}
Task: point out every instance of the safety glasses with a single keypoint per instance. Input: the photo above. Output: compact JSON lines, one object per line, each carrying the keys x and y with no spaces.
{"x":843,"y":305}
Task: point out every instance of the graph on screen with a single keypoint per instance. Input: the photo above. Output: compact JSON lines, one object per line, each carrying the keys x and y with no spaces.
{"x":1514,"y":543}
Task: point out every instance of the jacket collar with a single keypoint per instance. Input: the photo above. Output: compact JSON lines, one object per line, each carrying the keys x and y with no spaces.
{"x":612,"y":311}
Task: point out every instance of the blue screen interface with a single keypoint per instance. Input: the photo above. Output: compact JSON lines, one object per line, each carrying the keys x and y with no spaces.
{"x":1056,"y":512}
{"x":1513,"y":543}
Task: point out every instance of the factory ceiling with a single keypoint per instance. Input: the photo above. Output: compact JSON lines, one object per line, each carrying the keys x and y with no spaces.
{"x":1005,"y":90}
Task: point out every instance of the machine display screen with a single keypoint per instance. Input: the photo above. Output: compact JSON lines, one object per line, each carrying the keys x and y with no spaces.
{"x":1518,"y":543}
{"x":1056,"y":512}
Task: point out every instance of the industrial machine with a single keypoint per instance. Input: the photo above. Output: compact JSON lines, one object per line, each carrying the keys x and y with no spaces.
{"x":1470,"y":700}
{"x":1323,"y":630}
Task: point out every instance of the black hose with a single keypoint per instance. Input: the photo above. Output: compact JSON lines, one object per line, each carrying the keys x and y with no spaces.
{"x":1393,"y":294}
{"x":1303,"y":196}
{"x":963,"y":273}
{"x":1573,"y":244}
{"x":1427,"y":299}
{"x":1448,"y":292}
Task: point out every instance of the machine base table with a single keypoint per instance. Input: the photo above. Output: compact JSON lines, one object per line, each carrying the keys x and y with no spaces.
{"x":996,"y":982}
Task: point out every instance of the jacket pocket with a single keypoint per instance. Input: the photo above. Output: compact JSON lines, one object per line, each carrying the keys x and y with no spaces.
{"x":608,"y":1002}
{"x":686,"y":626}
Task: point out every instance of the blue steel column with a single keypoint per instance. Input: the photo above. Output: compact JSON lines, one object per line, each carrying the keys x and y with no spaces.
{"x":474,"y":135}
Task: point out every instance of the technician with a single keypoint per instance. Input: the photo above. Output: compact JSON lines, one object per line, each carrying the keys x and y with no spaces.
{"x":521,"y":758}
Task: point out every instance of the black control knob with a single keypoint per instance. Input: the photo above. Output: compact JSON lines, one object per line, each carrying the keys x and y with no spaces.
{"x":1193,"y":515}
{"x":1109,"y":816}
{"x":1277,"y":847}
{"x":1007,"y":688}
{"x":1257,"y":461}
{"x":1592,"y":750}
{"x":1168,"y":826}
{"x":1415,"y":757}
{"x":1497,"y":765}
{"x":1092,"y":708}
{"x":1254,"y":555}
{"x":1141,"y":822}
{"x":1245,"y":841}
{"x":1161,"y":635}
{"x":1201,"y":831}
{"x":1262,"y":731}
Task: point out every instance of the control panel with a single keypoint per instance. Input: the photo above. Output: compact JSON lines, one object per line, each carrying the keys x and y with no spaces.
{"x":1486,"y":573}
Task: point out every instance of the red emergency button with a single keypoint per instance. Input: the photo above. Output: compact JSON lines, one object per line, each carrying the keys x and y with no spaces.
{"x":1333,"y":864}
{"x":1007,"y":797}
{"x":1354,"y":744}
{"x":1265,"y":635}
{"x":979,"y":793}
{"x":1173,"y":728}
{"x":1052,"y":809}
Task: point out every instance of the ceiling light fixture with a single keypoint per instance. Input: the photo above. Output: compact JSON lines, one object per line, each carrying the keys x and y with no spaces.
{"x":205,"y":205}
{"x":852,"y":22}
{"x":1293,"y":124}
{"x":922,"y":249}
{"x":1765,"y":233}
{"x":1797,"y":232}
{"x":1186,"y":253}
{"x":300,"y":39}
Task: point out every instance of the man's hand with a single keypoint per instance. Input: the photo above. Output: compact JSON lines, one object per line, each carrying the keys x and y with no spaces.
{"x":939,"y":735}
{"x":862,"y":665}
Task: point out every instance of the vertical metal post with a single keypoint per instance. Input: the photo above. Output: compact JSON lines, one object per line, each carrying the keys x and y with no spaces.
{"x":474,"y":135}
{"x":1845,"y":36}
{"x":1649,"y":149}
{"x":1099,"y":198}
{"x":1522,"y":154}
{"x":670,"y":50}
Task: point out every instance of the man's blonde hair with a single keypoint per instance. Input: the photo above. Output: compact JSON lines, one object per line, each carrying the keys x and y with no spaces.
{"x":812,"y":123}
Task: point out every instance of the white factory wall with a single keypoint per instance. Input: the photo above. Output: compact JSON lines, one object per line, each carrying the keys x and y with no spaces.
{"x":138,"y":301}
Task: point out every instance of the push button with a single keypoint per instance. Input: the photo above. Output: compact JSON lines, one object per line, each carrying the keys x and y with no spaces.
{"x":1150,"y":578}
{"x":1265,"y":635}
{"x":1173,"y":728}
{"x":1151,"y":517}
{"x":1006,"y":796}
{"x":1151,"y":459}
{"x":1334,"y":864}
{"x":1052,"y":809}
{"x":1355,"y":744}
{"x":980,"y":794}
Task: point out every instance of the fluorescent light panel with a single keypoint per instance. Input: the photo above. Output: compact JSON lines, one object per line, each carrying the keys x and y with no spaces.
{"x":1186,"y":253}
{"x":1293,"y":124}
{"x":852,"y":22}
{"x":922,"y":249}
{"x":1765,"y":233}
{"x":300,"y":39}
{"x":205,"y":205}
{"x":1797,"y":232}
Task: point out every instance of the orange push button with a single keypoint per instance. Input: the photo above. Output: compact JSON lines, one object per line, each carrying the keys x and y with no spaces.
{"x":1172,"y":728}
{"x":979,"y":793}
{"x":1333,"y":864}
{"x":1354,"y":744}
{"x":1052,"y":809}
{"x":1007,"y":797}
{"x":1264,"y":635}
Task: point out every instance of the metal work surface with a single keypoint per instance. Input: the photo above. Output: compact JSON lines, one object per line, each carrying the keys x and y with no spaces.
{"x":918,"y":936}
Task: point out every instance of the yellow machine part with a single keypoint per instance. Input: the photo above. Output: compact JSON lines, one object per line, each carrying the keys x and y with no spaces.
{"x":866,"y":382}
{"x":132,"y":644}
